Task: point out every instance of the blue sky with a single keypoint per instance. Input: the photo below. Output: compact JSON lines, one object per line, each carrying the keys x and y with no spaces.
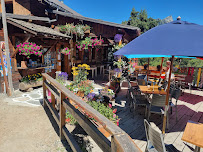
{"x":119,"y":10}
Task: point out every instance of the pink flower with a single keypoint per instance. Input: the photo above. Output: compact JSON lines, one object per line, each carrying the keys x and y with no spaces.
{"x":19,"y":50}
{"x":110,"y":106}
{"x":117,"y":122}
{"x":114,"y":115}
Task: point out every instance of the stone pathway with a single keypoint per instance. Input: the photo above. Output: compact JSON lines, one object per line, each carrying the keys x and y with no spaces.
{"x":32,"y":98}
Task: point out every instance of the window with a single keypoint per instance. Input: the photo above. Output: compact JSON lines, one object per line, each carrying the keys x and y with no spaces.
{"x":9,"y":8}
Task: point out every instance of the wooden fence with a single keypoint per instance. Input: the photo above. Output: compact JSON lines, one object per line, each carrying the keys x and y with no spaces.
{"x":120,"y":141}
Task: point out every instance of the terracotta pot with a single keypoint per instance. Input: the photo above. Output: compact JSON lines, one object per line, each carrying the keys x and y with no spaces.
{"x":80,"y":94}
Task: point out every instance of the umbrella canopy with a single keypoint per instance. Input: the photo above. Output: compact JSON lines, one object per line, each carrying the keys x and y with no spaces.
{"x":178,"y":38}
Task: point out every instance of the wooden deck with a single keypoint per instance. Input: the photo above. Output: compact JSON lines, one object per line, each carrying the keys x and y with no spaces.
{"x":190,"y":107}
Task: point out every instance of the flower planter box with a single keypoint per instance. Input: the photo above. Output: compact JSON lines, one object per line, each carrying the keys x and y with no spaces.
{"x":25,"y":86}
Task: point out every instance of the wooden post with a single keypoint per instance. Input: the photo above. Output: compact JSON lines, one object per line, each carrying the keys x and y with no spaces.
{"x":167,"y":97}
{"x":4,"y":72}
{"x":198,"y":76}
{"x":53,"y":100}
{"x":7,"y":46}
{"x":162,"y":60}
{"x":44,"y":92}
{"x":148,"y":71}
{"x":62,"y":116}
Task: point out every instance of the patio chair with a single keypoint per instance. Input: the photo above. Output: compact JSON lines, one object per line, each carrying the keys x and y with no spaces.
{"x":156,"y":106}
{"x":155,"y":140}
{"x":137,"y":99}
{"x":175,"y":93}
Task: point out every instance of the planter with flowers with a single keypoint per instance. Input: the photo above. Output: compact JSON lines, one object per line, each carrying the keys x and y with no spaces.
{"x":30,"y":81}
{"x":70,"y":29}
{"x":89,"y":42}
{"x":83,"y":87}
{"x":27,"y":49}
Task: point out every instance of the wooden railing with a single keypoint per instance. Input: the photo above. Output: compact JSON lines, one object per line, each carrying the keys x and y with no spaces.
{"x":120,"y":140}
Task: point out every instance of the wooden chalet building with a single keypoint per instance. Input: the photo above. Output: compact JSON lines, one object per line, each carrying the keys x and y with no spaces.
{"x":37,"y":20}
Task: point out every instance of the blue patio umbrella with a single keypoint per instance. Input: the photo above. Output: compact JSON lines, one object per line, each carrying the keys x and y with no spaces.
{"x":177,"y":38}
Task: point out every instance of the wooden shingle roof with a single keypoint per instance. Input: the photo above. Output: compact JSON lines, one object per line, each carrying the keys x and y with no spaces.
{"x":36,"y":29}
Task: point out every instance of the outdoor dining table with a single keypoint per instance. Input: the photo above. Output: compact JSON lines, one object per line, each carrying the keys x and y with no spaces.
{"x":194,"y":134}
{"x":151,"y":90}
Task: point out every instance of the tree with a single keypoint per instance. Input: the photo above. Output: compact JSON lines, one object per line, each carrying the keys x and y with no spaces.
{"x":141,"y":20}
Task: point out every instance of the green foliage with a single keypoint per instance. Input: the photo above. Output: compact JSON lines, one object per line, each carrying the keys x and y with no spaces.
{"x":78,"y":30}
{"x":104,"y":110}
{"x":184,"y":62}
{"x":141,"y":20}
{"x":70,"y":118}
{"x":120,"y":63}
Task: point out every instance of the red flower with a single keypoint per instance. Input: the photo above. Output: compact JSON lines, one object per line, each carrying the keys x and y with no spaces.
{"x":114,"y":111}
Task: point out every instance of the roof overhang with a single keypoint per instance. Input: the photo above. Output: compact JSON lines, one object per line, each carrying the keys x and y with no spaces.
{"x":36,"y":29}
{"x":94,"y":20}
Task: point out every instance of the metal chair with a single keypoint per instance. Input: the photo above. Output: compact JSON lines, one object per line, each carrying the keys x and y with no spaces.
{"x":137,"y":99}
{"x":156,"y":106}
{"x":155,"y":140}
{"x":175,"y":93}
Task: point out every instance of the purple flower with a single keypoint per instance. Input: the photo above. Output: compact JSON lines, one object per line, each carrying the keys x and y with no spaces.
{"x":63,"y":75}
{"x":91,"y":96}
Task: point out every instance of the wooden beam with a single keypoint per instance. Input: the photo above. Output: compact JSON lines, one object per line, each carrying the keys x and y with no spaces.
{"x":4,"y":72}
{"x":7,"y":48}
{"x":50,"y":48}
{"x":62,"y":116}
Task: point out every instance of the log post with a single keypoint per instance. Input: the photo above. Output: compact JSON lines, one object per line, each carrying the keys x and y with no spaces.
{"x":44,"y":92}
{"x":62,"y":116}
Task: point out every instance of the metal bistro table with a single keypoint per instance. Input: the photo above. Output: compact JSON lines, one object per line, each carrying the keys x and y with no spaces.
{"x":194,"y":134}
{"x":151,"y":90}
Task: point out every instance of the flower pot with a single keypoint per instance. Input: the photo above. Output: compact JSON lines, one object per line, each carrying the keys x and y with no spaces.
{"x":23,"y":64}
{"x":80,"y":94}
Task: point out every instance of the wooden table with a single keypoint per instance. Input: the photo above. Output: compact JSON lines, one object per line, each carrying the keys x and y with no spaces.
{"x":28,"y":71}
{"x":146,"y":90}
{"x":194,"y":134}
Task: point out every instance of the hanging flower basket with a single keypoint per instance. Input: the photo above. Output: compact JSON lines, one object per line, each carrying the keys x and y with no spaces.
{"x":29,"y":48}
{"x":66,"y":51}
{"x":89,"y":42}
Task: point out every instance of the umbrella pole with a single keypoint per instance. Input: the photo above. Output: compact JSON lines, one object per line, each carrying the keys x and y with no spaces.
{"x":162,"y":60}
{"x":167,"y":97}
{"x":148,"y":72}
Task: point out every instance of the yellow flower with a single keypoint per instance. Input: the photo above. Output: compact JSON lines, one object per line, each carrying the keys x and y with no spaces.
{"x":79,"y":65}
{"x":74,"y":68}
{"x":91,"y":91}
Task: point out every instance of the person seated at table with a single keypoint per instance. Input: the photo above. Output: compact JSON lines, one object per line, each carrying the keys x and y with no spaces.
{"x":158,"y":68}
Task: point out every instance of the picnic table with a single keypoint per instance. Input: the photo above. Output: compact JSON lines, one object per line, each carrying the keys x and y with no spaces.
{"x":151,"y":90}
{"x":194,"y":134}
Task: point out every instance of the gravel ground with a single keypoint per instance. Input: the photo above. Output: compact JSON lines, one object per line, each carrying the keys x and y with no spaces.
{"x":27,"y":128}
